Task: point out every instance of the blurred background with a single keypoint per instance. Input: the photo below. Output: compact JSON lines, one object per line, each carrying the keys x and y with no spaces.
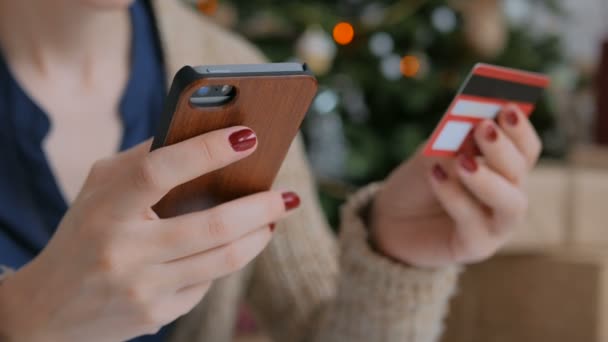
{"x":388,"y":71}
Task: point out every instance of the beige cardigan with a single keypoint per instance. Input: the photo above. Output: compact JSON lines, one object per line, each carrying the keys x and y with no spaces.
{"x":300,"y":287}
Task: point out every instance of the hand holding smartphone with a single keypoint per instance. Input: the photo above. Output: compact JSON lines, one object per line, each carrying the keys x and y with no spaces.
{"x":271,"y":99}
{"x":484,"y":93}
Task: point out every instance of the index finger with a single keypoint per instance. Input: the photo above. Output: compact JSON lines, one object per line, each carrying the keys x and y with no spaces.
{"x":150,"y":176}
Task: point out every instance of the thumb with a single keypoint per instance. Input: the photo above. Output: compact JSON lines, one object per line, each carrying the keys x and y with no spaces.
{"x":105,"y":169}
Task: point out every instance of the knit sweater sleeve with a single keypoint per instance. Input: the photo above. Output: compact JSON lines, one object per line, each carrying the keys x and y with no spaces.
{"x":309,"y":286}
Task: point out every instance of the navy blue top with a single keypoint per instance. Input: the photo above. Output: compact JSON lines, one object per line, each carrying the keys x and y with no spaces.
{"x":31,"y":203}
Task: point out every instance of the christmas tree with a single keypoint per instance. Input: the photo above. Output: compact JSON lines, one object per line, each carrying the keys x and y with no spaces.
{"x":388,"y":70}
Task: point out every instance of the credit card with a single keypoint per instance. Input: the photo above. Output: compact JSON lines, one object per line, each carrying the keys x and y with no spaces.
{"x":482,"y":96}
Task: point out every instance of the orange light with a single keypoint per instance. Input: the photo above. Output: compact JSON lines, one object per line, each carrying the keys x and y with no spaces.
{"x":410,"y":65}
{"x":208,"y":7}
{"x":344,"y":33}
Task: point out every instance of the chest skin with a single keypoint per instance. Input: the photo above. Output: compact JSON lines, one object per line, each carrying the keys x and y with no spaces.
{"x":80,"y":134}
{"x":85,"y":122}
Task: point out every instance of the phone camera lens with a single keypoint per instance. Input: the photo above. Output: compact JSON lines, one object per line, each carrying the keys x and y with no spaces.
{"x":226,"y":89}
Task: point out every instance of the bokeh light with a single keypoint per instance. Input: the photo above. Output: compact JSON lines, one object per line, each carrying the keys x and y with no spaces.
{"x":326,"y":102}
{"x":410,"y":65}
{"x":444,"y":19}
{"x":381,"y":44}
{"x":344,"y":33}
{"x":208,"y":7}
{"x":390,"y":66}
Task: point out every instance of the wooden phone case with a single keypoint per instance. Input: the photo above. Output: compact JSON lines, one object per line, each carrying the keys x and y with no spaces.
{"x":272,"y":105}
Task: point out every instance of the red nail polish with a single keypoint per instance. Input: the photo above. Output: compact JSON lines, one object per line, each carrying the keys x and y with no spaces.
{"x":439,"y":173}
{"x":243,"y":140}
{"x":512,"y":118}
{"x":468,"y":163}
{"x":272,"y":226}
{"x":291,"y":200}
{"x":491,"y":134}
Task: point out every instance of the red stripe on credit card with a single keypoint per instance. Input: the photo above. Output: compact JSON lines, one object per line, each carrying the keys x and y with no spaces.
{"x":512,"y":75}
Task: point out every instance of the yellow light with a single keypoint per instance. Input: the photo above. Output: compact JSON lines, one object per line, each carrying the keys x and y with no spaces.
{"x":208,"y":7}
{"x":344,"y":33}
{"x":410,"y":66}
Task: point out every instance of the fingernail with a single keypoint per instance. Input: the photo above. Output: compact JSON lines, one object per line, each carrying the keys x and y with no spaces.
{"x":439,"y":173}
{"x":243,"y":140}
{"x":291,"y":200}
{"x":468,"y":163}
{"x":512,"y":118}
{"x":491,"y":134}
{"x":273,"y":226}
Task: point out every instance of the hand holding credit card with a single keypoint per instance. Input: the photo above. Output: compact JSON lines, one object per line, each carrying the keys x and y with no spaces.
{"x":485,"y":92}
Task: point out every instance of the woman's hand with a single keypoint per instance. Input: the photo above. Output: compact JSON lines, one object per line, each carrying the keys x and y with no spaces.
{"x":114,"y":270}
{"x":438,"y":212}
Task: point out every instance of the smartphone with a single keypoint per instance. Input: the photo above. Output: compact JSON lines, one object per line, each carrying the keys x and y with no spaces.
{"x":272,"y":99}
{"x":487,"y":89}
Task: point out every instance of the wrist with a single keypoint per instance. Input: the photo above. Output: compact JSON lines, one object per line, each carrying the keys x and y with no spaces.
{"x":15,"y":323}
{"x":375,"y":218}
{"x":7,"y":312}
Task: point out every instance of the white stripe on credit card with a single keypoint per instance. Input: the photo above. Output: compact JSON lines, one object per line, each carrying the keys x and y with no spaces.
{"x":476,"y":109}
{"x":452,"y":136}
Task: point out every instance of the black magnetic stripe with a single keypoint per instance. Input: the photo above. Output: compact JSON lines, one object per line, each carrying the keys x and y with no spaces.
{"x":491,"y":87}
